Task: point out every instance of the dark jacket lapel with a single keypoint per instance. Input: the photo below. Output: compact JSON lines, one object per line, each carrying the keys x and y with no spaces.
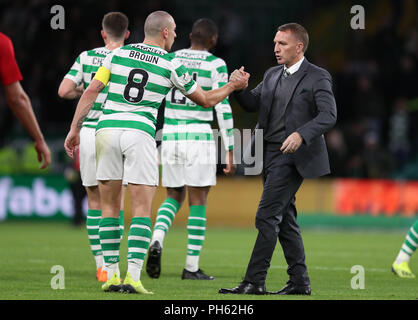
{"x":268,"y":97}
{"x":298,"y":76}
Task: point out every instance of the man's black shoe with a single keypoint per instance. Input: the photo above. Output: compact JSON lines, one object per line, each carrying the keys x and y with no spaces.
{"x":154,"y":260}
{"x":198,"y":275}
{"x":245,"y":288}
{"x":290,"y":288}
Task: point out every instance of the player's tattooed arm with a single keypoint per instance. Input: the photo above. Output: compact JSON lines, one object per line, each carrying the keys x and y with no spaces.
{"x":86,"y":103}
{"x":96,"y":86}
{"x":99,"y":86}
{"x":82,"y":118}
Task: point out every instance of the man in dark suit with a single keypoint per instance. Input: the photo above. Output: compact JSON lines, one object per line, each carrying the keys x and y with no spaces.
{"x":296,"y":107}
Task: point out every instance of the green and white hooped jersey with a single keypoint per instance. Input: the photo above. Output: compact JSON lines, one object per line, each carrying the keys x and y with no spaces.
{"x":82,"y":72}
{"x":140,"y":77}
{"x":183,"y":119}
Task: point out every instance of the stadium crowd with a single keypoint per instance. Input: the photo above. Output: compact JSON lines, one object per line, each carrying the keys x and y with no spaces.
{"x":374,"y":70}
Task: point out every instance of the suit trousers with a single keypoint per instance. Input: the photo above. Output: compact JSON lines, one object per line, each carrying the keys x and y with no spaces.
{"x":276,"y":219}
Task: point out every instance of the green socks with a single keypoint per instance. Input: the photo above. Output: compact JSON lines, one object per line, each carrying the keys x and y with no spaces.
{"x":93,"y":222}
{"x":165,"y":216}
{"x":410,"y":244}
{"x":196,"y":228}
{"x":138,"y":242}
{"x":109,"y":233}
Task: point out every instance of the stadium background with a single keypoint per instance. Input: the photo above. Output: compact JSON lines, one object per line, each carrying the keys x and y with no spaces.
{"x":373,"y":148}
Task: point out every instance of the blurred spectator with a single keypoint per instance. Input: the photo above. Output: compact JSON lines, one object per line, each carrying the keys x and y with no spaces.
{"x":354,"y":133}
{"x":72,"y":174}
{"x":399,"y":144}
{"x":378,"y":162}
{"x":368,"y":104}
{"x":231,"y":30}
{"x":406,"y":79}
{"x":337,"y":152}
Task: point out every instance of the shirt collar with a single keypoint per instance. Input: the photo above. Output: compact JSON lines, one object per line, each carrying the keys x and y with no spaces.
{"x":295,"y":67}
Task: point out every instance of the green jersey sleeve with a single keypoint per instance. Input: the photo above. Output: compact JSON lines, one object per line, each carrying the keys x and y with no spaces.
{"x":76,"y":72}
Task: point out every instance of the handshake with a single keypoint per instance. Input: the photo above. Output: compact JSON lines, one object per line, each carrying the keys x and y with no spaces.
{"x":239,"y":79}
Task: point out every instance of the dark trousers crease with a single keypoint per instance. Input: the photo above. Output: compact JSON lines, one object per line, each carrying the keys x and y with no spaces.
{"x":276,"y":219}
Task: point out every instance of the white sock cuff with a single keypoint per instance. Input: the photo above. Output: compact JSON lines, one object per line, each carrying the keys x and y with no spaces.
{"x":134,"y":269}
{"x":99,"y":261}
{"x":112,"y":268}
{"x":192,"y":263}
{"x":402,"y":256}
{"x":158,"y":235}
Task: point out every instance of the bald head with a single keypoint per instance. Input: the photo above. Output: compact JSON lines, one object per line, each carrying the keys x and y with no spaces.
{"x":156,"y":22}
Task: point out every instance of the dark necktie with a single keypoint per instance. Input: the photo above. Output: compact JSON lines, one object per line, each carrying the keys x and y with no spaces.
{"x":286,"y":73}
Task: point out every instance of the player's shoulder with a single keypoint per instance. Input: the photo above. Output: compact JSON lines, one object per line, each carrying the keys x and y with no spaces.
{"x":128,"y":46}
{"x":217,"y":64}
{"x":99,"y":51}
{"x":169,"y":56}
{"x":272,"y":70}
{"x":215,"y":59}
{"x":318,"y":71}
{"x":5,"y":41}
{"x":201,"y":55}
{"x":81,"y":57}
{"x":149,"y":49}
{"x":4,"y":38}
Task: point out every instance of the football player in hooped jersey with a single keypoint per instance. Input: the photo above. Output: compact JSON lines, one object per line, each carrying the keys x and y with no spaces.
{"x":125,"y":137}
{"x":188,"y":150}
{"x":114,"y":33}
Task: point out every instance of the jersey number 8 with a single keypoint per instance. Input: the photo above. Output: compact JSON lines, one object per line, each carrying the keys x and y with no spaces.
{"x":134,"y":89}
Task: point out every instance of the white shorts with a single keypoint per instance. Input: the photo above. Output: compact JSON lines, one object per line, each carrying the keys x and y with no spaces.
{"x":188,"y":163}
{"x":128,"y":154}
{"x":88,"y":156}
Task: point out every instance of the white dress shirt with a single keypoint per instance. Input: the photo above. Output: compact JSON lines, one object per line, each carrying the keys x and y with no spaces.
{"x":295,"y":67}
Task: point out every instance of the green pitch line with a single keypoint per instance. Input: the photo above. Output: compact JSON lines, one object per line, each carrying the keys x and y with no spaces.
{"x":30,"y":250}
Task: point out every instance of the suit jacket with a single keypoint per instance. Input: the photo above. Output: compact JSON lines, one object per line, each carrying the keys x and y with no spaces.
{"x":310,"y":110}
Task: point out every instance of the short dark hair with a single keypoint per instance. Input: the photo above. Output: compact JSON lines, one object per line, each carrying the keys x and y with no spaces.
{"x":115,"y":24}
{"x":298,"y":31}
{"x":203,"y":30}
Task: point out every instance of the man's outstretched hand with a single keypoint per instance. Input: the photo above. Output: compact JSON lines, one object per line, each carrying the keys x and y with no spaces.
{"x":239,"y":78}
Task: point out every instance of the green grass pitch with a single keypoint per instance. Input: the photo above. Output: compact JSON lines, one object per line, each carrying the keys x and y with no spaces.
{"x":30,"y":249}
